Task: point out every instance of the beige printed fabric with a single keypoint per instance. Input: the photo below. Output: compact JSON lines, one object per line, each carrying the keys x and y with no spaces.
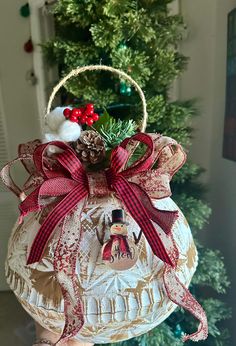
{"x":118,"y":305}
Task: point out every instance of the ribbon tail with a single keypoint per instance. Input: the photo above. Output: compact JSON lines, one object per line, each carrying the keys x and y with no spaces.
{"x":64,"y":265}
{"x":164,"y":218}
{"x":180,"y":295}
{"x":140,"y":215}
{"x":52,"y":220}
{"x":30,"y":204}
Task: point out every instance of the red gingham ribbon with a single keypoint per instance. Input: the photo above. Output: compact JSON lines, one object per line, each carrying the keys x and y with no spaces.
{"x":57,"y":183}
{"x":70,"y":180}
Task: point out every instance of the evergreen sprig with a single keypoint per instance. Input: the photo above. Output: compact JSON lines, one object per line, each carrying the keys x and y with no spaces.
{"x":211,"y":270}
{"x":115,"y":131}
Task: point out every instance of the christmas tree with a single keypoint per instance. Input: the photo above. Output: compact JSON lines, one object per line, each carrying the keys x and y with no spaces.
{"x":141,"y":38}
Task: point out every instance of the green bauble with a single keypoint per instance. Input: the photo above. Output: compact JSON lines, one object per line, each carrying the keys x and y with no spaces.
{"x":122,"y":45}
{"x":125,"y":89}
{"x":25,"y":10}
{"x":178,"y":331}
{"x":128,"y":91}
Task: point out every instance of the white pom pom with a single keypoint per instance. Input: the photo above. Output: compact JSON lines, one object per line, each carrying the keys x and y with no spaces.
{"x":55,"y":118}
{"x":69,"y":131}
{"x":49,"y":137}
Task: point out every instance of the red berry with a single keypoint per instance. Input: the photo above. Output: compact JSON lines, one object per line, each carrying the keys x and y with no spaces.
{"x":89,"y":107}
{"x":88,"y":112}
{"x":67,"y":112}
{"x":83,"y":119}
{"x":73,"y":118}
{"x":76,"y":112}
{"x":95,"y":117}
{"x":89,"y":122}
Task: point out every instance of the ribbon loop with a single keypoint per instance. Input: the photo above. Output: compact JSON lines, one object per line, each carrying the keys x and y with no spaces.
{"x":143,"y":163}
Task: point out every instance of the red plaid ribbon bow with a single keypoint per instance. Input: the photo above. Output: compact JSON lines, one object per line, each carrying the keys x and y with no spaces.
{"x":70,"y":180}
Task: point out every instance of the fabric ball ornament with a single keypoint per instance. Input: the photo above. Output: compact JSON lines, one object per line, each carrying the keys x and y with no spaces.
{"x":105,"y":255}
{"x":103,"y":303}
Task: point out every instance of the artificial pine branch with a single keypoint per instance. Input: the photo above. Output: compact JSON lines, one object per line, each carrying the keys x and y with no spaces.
{"x":115,"y":131}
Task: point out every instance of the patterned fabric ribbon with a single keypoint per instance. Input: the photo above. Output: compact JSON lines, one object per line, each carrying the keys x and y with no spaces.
{"x":63,"y":180}
{"x":122,"y":242}
{"x":70,"y":180}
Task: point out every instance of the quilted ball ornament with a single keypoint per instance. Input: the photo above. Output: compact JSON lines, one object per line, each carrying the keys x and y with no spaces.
{"x":48,"y":259}
{"x":100,"y":256}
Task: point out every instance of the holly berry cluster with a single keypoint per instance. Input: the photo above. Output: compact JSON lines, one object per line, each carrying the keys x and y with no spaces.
{"x":83,"y":115}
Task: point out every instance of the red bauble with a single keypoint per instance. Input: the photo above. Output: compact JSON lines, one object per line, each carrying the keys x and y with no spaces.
{"x":89,"y":122}
{"x":76,"y":112}
{"x":73,"y":118}
{"x":67,"y":112}
{"x":95,"y":117}
{"x":28,"y":46}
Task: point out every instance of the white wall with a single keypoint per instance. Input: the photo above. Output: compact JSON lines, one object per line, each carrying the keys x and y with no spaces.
{"x":18,"y":96}
{"x":205,"y":79}
{"x":18,"y":102}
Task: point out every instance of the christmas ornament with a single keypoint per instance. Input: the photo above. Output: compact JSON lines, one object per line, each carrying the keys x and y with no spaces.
{"x":31,"y":77}
{"x":119,"y":252}
{"x":179,"y":333}
{"x":122,"y":46}
{"x":125,"y":89}
{"x":128,"y":90}
{"x":90,"y":147}
{"x":55,"y":261}
{"x":25,"y":10}
{"x":28,"y":46}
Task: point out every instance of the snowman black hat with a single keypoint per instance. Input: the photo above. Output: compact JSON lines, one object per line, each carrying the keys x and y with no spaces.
{"x":118,"y":216}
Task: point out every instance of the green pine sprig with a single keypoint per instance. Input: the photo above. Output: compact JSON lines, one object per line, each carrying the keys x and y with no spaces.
{"x":114,"y":131}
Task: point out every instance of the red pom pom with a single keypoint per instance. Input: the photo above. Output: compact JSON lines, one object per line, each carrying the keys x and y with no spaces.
{"x":67,"y":112}
{"x":89,"y":122}
{"x":95,"y":117}
{"x":76,"y":112}
{"x":73,"y":118}
{"x":83,"y":119}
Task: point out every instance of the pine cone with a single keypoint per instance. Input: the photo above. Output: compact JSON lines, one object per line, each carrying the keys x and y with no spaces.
{"x":90,"y":147}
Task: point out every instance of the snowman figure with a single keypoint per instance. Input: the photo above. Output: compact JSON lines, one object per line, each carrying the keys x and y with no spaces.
{"x":119,"y":252}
